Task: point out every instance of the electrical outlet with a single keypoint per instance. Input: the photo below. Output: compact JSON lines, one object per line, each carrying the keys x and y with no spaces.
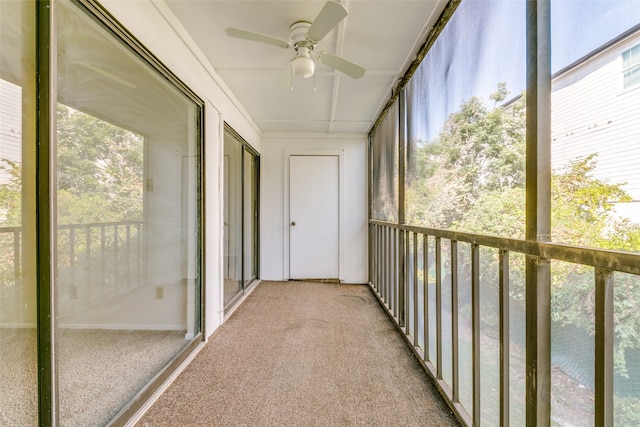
{"x":73,"y":292}
{"x":159,"y":292}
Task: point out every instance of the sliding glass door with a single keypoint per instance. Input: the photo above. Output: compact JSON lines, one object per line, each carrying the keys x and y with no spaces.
{"x":241,"y":172}
{"x":19,"y":398}
{"x":100,"y":217}
{"x":128,"y":156}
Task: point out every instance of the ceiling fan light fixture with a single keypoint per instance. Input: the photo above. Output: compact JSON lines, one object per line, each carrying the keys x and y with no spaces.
{"x":303,"y":66}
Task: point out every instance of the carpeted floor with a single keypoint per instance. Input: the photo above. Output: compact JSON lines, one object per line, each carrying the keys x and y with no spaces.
{"x":297,"y":353}
{"x":99,"y":371}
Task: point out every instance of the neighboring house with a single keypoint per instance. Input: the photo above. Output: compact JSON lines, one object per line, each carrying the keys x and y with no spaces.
{"x":10,"y":126}
{"x":596,"y":109}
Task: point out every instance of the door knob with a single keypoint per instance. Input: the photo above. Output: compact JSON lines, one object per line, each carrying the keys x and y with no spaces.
{"x":293,"y":223}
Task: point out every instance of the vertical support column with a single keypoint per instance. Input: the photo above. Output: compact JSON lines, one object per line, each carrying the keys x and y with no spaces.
{"x":45,"y":212}
{"x":402,"y":262}
{"x":504,"y":336}
{"x":604,"y":348}
{"x":538,"y":205}
{"x":369,"y":202}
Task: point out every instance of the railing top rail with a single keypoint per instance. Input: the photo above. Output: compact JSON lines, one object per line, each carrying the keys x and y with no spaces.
{"x":10,"y":229}
{"x":624,"y":262}
{"x":99,"y":224}
{"x":85,"y":225}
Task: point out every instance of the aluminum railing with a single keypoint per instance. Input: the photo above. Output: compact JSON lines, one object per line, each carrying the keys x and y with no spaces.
{"x":408,"y":266}
{"x":105,"y":254}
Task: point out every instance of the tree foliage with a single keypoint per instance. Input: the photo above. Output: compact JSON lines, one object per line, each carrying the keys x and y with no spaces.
{"x":472,"y":178}
{"x":99,"y":173}
{"x":100,"y":170}
{"x":478,"y":151}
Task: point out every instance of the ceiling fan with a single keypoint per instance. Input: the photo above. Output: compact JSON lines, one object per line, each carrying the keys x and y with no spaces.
{"x":303,"y":38}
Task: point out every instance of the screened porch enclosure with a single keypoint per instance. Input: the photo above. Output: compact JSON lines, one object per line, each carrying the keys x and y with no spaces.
{"x":491,"y":207}
{"x":503,"y":231}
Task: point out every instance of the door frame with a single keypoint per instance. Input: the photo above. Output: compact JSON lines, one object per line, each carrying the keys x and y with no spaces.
{"x":341,"y":204}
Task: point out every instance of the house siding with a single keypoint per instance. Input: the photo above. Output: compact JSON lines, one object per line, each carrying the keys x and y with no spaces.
{"x":593,"y":113}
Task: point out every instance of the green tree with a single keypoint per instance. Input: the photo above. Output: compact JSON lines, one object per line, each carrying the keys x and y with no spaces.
{"x":11,"y":194}
{"x":471,"y":178}
{"x":100,"y":170}
{"x":478,"y":151}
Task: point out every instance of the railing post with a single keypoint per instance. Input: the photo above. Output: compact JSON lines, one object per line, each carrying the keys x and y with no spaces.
{"x":388,"y":279}
{"x":103,"y":254}
{"x":371,"y":257}
{"x":439,"y":307}
{"x":116,"y":261}
{"x":87,"y":245}
{"x":415,"y":290}
{"x":425,"y":296}
{"x":605,"y":330}
{"x":401,"y":268}
{"x":383,"y":261}
{"x":128,"y":254}
{"x":455,"y":386}
{"x":504,"y":336}
{"x":16,"y":255}
{"x":72,"y":257}
{"x":475,"y":331}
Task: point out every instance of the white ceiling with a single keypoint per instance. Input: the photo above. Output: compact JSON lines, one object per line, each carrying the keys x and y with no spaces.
{"x":380,"y":35}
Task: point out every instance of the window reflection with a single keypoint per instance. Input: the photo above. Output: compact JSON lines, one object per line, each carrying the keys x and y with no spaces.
{"x":232,"y":217}
{"x":241,"y":168}
{"x":18,"y":371}
{"x":127,"y":221}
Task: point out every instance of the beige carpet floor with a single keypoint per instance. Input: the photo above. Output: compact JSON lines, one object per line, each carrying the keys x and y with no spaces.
{"x":99,"y":371}
{"x":303,"y":354}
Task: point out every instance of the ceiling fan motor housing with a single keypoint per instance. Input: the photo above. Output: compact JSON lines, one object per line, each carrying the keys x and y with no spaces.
{"x":298,"y":33}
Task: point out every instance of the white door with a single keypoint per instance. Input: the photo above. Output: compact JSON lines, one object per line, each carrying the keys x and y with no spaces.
{"x":314,"y":231}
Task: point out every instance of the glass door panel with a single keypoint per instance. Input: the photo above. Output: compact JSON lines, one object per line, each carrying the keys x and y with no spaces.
{"x":18,"y":370}
{"x":250,"y":217}
{"x":127,"y":221}
{"x":232,"y":218}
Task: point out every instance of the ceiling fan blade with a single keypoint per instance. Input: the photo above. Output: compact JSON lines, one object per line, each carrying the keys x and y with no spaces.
{"x":256,"y":37}
{"x":341,"y":64}
{"x":330,"y":16}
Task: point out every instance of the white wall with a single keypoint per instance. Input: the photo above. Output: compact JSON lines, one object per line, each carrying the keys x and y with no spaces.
{"x":272,"y":200}
{"x":153,"y":24}
{"x":157,"y":29}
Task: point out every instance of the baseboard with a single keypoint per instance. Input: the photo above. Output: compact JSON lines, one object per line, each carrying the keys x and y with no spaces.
{"x":17,"y":325}
{"x":122,"y":327}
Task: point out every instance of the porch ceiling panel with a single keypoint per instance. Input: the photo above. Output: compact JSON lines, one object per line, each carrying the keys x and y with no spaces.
{"x":380,"y":35}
